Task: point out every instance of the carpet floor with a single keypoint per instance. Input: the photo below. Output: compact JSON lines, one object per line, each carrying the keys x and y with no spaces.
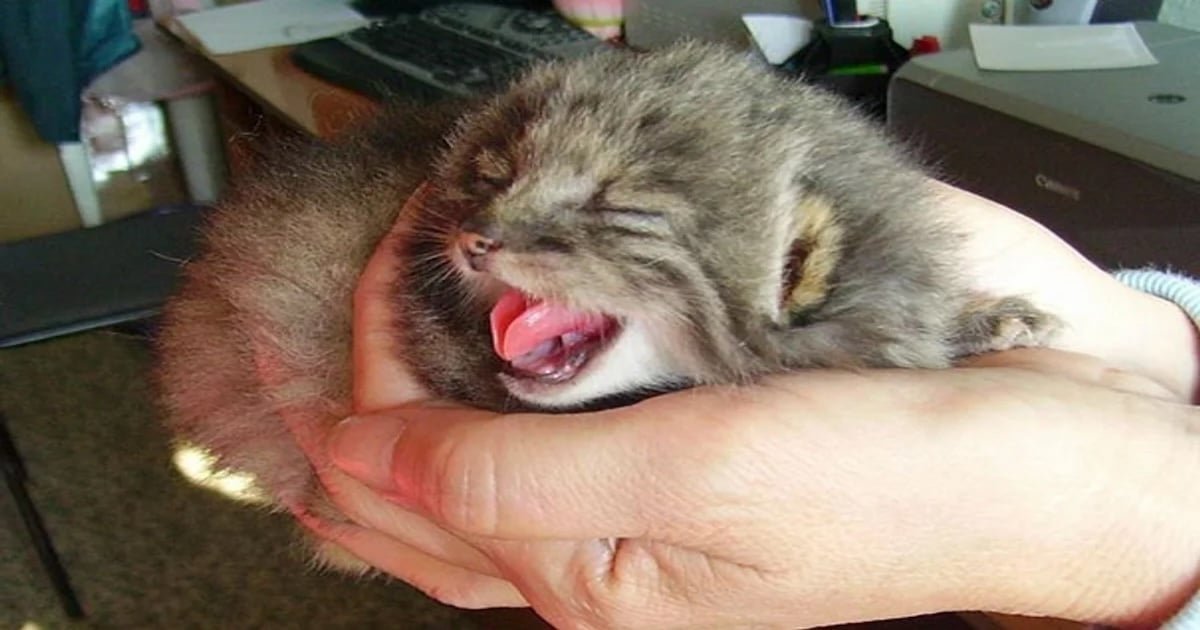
{"x":145,"y":548}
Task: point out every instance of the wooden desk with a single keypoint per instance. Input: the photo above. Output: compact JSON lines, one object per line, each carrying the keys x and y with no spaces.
{"x":291,"y":95}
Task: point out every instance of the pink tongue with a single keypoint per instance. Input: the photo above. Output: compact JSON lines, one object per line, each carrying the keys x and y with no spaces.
{"x":519,"y":324}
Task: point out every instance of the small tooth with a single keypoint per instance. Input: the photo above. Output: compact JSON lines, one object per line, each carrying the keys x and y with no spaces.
{"x":542,"y":349}
{"x":577,"y":359}
{"x":539,"y":352}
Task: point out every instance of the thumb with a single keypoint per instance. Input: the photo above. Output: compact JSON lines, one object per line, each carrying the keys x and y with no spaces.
{"x":611,"y":473}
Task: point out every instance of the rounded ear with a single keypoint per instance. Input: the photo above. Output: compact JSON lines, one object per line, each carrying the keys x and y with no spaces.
{"x":816,"y":247}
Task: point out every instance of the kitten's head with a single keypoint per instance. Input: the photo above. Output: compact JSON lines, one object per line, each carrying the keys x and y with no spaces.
{"x":617,"y":218}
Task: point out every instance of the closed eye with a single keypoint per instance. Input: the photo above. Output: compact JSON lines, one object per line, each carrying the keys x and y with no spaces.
{"x":495,"y":183}
{"x":635,"y":213}
{"x":632,"y":221}
{"x":552,"y":244}
{"x":493,"y":168}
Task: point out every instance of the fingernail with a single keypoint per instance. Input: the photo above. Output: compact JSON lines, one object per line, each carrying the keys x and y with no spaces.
{"x":363,"y":448}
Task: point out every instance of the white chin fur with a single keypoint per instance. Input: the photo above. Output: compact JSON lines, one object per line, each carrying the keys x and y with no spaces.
{"x":635,"y":360}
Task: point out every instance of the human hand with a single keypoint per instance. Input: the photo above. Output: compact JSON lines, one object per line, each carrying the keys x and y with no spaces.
{"x":356,"y":533}
{"x":1006,"y":253}
{"x":1029,"y":485}
{"x":457,"y":565}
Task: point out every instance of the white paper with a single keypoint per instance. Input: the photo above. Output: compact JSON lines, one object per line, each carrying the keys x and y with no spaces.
{"x":267,"y":23}
{"x":778,"y":37}
{"x":1087,"y":47}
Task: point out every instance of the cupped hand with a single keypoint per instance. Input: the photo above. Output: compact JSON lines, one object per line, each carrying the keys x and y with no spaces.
{"x":393,"y":540}
{"x":815,"y":498}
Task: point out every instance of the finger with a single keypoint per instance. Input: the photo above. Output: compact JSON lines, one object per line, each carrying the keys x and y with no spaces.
{"x":444,"y":582}
{"x":620,"y":472}
{"x":308,"y":426}
{"x":381,"y":380}
{"x":1080,"y":367}
{"x":572,"y":583}
{"x":367,"y":509}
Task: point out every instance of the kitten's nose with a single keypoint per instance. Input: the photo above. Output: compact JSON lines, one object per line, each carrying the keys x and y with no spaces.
{"x":476,"y":247}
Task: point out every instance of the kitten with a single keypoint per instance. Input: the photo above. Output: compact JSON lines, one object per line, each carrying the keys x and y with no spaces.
{"x":633,"y":224}
{"x":605,"y":229}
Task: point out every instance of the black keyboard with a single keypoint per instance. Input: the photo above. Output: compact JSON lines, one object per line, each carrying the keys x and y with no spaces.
{"x":452,"y":50}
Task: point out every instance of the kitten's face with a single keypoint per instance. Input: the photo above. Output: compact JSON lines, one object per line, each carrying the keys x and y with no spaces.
{"x":586,"y":246}
{"x":584,"y":243}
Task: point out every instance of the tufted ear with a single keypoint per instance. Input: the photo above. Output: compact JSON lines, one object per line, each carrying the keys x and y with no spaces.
{"x":814,"y":253}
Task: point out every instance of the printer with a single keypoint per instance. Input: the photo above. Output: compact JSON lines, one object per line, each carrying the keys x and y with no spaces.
{"x":1108,"y":159}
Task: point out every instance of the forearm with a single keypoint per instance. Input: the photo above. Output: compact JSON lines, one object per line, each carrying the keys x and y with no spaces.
{"x":1095,"y":518}
{"x":1143,"y":565}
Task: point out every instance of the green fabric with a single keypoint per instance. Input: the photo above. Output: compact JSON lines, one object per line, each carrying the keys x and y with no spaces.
{"x":50,"y":50}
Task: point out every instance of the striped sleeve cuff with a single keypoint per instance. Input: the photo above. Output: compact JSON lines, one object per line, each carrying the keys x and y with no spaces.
{"x":1186,"y":619}
{"x":1175,"y":287}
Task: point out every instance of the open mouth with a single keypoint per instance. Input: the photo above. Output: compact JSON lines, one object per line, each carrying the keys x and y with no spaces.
{"x":547,"y":342}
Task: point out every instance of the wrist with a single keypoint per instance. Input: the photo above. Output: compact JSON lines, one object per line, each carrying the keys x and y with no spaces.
{"x":1169,"y":307}
{"x":1133,"y":331}
{"x":1170,"y":351}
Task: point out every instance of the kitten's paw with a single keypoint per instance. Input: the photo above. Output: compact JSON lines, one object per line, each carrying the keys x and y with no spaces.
{"x":994,"y":324}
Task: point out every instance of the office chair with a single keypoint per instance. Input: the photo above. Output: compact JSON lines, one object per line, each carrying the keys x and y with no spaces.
{"x":51,"y":286}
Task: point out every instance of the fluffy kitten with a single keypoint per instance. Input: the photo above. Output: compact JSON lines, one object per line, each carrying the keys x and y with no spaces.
{"x":608,"y":227}
{"x":683,"y":217}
